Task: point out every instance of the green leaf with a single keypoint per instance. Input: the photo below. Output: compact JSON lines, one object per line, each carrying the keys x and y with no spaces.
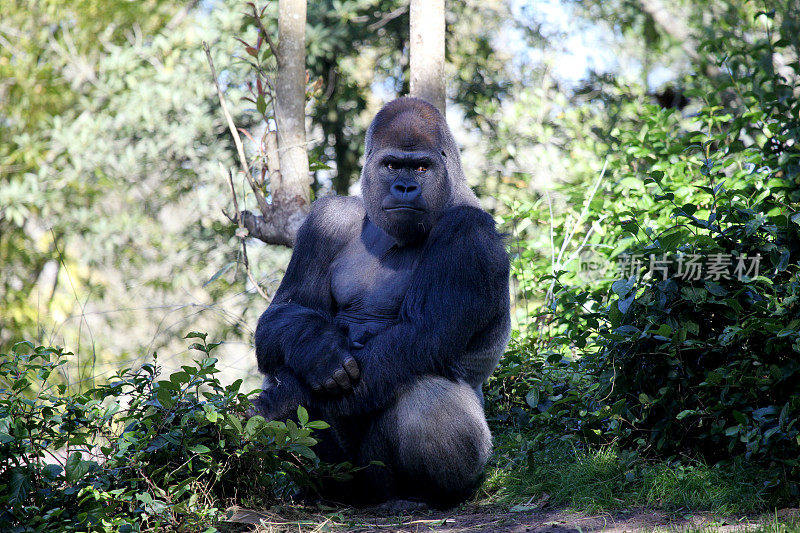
{"x":253,"y":425}
{"x":716,"y":289}
{"x":76,"y":467}
{"x":218,"y":273}
{"x":665,"y":330}
{"x":165,"y":398}
{"x":19,"y":486}
{"x":532,"y":398}
{"x":732,"y":431}
{"x":302,"y":415}
{"x":199,"y":347}
{"x":196,"y":335}
{"x":783,"y":261}
{"x":261,"y":105}
{"x":624,"y":304}
{"x":752,"y":225}
{"x":199,"y":448}
{"x":621,"y":287}
{"x":234,"y":421}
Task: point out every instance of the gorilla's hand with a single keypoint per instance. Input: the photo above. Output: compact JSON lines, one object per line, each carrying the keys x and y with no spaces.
{"x":329,"y":367}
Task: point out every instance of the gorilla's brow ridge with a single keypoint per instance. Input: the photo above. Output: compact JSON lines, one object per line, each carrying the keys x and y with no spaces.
{"x":408,"y":130}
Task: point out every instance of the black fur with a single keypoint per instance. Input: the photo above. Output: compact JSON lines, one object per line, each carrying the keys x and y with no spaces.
{"x":411,"y":283}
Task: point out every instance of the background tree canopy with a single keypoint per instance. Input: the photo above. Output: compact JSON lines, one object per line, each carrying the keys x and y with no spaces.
{"x":614,"y":141}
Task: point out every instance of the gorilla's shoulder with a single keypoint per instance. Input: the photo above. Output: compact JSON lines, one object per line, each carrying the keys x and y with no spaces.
{"x":468,"y":234}
{"x":335,"y":218}
{"x":338,"y":212}
{"x":461,"y":218}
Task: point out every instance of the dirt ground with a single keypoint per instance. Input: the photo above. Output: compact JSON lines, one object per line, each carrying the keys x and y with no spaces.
{"x":496,"y":519}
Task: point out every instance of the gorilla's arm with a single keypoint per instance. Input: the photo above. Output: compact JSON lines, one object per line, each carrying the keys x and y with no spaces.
{"x":297,"y":328}
{"x":457,"y":298}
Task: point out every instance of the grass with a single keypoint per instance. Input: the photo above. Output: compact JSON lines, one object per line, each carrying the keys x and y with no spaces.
{"x":607,"y":479}
{"x":580,"y":486}
{"x":767,"y":524}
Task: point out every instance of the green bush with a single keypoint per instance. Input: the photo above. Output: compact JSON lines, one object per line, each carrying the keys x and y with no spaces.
{"x":711,"y":364}
{"x":651,"y":359}
{"x":139,"y":453}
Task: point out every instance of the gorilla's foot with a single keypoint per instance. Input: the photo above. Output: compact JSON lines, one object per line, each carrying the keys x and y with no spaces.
{"x":401,"y":506}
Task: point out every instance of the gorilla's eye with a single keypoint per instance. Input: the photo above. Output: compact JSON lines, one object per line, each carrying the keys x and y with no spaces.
{"x":391,"y":166}
{"x":422,"y":168}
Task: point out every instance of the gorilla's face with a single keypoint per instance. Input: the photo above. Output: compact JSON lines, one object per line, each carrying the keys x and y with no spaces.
{"x":405,"y":184}
{"x":405,"y":191}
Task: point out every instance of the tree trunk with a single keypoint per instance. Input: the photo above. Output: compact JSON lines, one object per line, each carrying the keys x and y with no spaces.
{"x":427,"y":51}
{"x":289,"y":177}
{"x":673,"y":22}
{"x":290,"y":113}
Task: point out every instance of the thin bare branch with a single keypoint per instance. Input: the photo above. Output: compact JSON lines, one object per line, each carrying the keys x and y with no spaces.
{"x":402,"y":10}
{"x":238,"y":220}
{"x":260,"y":199}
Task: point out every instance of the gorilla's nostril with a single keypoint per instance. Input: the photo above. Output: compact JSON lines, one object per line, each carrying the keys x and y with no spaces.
{"x":405,"y":191}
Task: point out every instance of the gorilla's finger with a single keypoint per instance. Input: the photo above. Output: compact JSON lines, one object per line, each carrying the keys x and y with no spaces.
{"x":352,"y":368}
{"x":340,"y":377}
{"x":316,"y":387}
{"x":331,"y":386}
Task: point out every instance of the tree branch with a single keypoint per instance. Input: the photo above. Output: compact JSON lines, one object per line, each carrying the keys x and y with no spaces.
{"x":268,"y":230}
{"x":243,"y":238}
{"x":262,"y":202}
{"x":375,"y":26}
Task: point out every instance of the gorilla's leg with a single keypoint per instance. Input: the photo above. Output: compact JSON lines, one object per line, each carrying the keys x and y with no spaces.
{"x":434,"y":442}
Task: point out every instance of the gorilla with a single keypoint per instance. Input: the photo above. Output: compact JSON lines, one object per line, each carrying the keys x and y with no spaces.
{"x":393,"y":311}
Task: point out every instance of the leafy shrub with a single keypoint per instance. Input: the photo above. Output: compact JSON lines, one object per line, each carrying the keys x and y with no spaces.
{"x":711,"y":364}
{"x":664,"y":363}
{"x":139,"y":453}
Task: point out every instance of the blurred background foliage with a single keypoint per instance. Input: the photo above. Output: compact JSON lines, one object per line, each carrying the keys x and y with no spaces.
{"x":592,"y":130}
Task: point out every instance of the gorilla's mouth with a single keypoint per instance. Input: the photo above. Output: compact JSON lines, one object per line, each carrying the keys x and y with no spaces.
{"x":406,"y":208}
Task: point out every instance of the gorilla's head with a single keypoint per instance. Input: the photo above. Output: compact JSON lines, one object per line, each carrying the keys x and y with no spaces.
{"x":412,"y":169}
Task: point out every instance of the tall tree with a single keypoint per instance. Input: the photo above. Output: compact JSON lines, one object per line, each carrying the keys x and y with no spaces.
{"x":290,"y":115}
{"x":290,"y":180}
{"x":427,"y":51}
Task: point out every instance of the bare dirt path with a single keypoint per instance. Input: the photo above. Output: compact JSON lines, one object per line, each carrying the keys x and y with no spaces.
{"x":497,"y":519}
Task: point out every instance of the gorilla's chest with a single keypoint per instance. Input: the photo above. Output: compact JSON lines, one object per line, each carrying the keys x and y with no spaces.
{"x":369,"y":280}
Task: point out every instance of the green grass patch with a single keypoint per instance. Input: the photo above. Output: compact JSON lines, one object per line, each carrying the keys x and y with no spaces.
{"x":609,"y":479}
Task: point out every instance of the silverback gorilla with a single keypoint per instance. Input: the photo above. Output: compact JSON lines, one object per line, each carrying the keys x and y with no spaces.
{"x":393,"y":311}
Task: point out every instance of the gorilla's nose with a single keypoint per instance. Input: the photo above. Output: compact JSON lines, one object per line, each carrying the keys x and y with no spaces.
{"x":405,"y":191}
